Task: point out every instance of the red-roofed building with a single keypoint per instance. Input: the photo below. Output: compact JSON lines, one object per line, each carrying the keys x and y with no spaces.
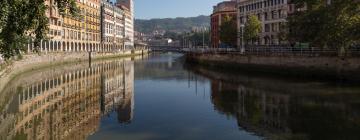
{"x":221,"y":10}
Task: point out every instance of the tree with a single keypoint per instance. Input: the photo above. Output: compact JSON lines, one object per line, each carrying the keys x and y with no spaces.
{"x":228,"y":31}
{"x":283,"y":32}
{"x":252,"y":29}
{"x":21,"y":20}
{"x":196,"y":38}
{"x":334,"y":25}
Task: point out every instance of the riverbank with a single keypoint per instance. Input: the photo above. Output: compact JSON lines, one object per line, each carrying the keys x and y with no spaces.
{"x":325,"y":68}
{"x":30,"y":62}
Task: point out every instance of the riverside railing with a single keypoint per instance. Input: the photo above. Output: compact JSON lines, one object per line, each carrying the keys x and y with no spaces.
{"x":280,"y":50}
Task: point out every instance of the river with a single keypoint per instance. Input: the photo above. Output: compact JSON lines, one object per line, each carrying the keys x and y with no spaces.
{"x":161,"y":97}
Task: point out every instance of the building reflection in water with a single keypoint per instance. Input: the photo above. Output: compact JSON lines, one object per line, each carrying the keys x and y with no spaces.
{"x":67,"y":103}
{"x":279,"y":115}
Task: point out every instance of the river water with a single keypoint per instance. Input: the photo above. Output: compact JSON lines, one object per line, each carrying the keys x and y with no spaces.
{"x":160,"y":97}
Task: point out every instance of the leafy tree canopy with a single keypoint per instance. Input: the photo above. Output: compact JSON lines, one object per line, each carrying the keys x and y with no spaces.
{"x":252,"y":28}
{"x":21,"y":20}
{"x":333,"y":25}
{"x":228,"y":31}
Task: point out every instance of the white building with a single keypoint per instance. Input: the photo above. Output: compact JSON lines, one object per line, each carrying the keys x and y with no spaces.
{"x":128,"y":8}
{"x":112,"y":26}
{"x":271,"y":13}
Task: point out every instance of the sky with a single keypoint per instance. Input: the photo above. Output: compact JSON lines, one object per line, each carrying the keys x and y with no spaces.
{"x":148,"y":9}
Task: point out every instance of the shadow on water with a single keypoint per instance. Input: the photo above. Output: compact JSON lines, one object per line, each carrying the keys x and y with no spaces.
{"x":285,"y":108}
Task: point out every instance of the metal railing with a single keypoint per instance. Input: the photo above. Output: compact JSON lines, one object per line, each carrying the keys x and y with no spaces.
{"x":280,"y":50}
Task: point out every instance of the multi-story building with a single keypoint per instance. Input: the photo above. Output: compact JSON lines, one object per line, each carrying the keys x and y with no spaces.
{"x":272,"y":15}
{"x":220,"y":11}
{"x":112,"y":27}
{"x":55,"y":26}
{"x":128,"y":7}
{"x":83,"y":32}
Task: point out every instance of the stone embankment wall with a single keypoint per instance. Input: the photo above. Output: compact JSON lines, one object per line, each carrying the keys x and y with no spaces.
{"x":36,"y":61}
{"x":335,"y":68}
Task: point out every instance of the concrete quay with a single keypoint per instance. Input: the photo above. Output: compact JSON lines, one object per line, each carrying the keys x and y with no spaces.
{"x":320,"y":67}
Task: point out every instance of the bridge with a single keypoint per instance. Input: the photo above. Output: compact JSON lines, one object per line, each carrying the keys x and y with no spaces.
{"x":167,"y":49}
{"x":179,"y":49}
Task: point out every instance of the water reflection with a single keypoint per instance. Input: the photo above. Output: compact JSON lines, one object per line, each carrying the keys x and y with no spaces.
{"x":79,"y":101}
{"x":67,"y":102}
{"x":282,"y":109}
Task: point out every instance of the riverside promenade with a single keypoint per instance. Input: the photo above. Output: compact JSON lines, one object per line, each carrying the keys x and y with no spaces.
{"x":317,"y":63}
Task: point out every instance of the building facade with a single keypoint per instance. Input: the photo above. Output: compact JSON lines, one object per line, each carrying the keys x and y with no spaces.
{"x":220,"y":11}
{"x":272,"y":15}
{"x":128,"y":8}
{"x":87,"y":32}
{"x":83,"y":32}
{"x":112,"y":27}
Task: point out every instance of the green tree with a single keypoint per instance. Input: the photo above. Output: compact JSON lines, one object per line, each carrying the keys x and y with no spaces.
{"x":228,"y":31}
{"x":334,"y":25}
{"x":252,"y":29}
{"x":283,"y":32}
{"x":21,"y":20}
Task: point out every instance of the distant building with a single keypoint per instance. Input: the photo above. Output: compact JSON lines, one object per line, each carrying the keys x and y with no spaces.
{"x":222,"y":10}
{"x":197,"y":29}
{"x":139,"y":36}
{"x":272,"y":15}
{"x":161,"y":42}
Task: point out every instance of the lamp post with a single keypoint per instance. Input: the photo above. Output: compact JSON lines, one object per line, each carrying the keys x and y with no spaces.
{"x":242,"y":51}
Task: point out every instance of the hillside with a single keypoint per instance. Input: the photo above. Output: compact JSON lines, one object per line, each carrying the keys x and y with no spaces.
{"x":171,"y":24}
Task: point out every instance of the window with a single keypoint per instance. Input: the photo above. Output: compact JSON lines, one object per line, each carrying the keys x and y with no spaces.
{"x":266,"y":16}
{"x":267,"y":27}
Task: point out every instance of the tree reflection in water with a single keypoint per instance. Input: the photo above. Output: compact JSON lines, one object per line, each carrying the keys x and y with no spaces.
{"x":282,"y":109}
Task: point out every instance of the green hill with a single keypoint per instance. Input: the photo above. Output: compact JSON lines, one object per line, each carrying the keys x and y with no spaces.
{"x":171,"y":24}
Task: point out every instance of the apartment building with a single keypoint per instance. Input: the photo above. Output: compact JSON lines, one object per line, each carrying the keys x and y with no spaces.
{"x":83,"y":32}
{"x":272,"y":15}
{"x":112,"y":27}
{"x":128,"y":7}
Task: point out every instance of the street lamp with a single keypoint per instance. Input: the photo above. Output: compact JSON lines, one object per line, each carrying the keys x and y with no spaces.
{"x":242,"y":39}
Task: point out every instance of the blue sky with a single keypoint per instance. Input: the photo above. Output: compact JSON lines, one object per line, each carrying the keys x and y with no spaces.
{"x":147,"y":9}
